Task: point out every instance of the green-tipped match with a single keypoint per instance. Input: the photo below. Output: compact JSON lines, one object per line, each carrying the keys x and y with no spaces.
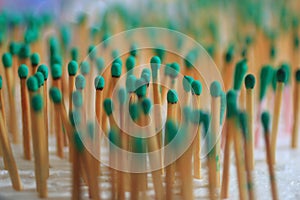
{"x":99,"y":83}
{"x":205,"y":119}
{"x":40,"y":77}
{"x":35,"y":59}
{"x":134,"y":111}
{"x":298,"y":76}
{"x":14,"y":48}
{"x":229,"y":54}
{"x":108,"y":106}
{"x":24,"y":51}
{"x":122,"y":96}
{"x":146,"y":106}
{"x":172,"y":96}
{"x":196,"y":116}
{"x":223,"y":106}
{"x":1,"y":82}
{"x":37,"y":103}
{"x":266,"y":76}
{"x":55,"y":95}
{"x":115,"y":54}
{"x":239,"y":74}
{"x":130,"y":63}
{"x":77,"y":99}
{"x":244,"y":123}
{"x":133,"y":50}
{"x":32,"y":84}
{"x":23,"y":71}
{"x":74,"y":54}
{"x":215,"y":89}
{"x":250,"y":81}
{"x":160,"y":52}
{"x":7,"y":60}
{"x":80,"y":82}
{"x":155,"y":65}
{"x":56,"y":71}
{"x":281,"y":75}
{"x":92,"y":51}
{"x":174,"y":71}
{"x":287,"y":69}
{"x":141,"y":87}
{"x":72,"y":68}
{"x":171,"y":130}
{"x":130,"y":83}
{"x":187,"y":83}
{"x":100,"y":64}
{"x":75,"y":117}
{"x":114,"y":137}
{"x":231,"y":101}
{"x":84,"y":68}
{"x":197,"y":87}
{"x":146,"y":75}
{"x":79,"y":146}
{"x":265,"y":119}
{"x":44,"y":70}
{"x":116,"y":70}
{"x":139,"y":145}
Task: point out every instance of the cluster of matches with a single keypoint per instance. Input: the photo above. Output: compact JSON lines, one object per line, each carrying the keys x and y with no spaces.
{"x":143,"y":124}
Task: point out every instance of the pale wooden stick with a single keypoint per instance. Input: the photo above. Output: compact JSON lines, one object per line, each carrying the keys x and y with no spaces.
{"x":250,"y":139}
{"x":294,"y":142}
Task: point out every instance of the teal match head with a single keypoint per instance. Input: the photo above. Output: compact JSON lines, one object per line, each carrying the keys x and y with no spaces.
{"x":231,"y":101}
{"x":205,"y":119}
{"x":40,"y":77}
{"x":14,"y":48}
{"x":229,"y":54}
{"x":146,"y":75}
{"x":146,"y":106}
{"x":155,"y":65}
{"x":266,"y":77}
{"x":23,"y":71}
{"x":298,"y":76}
{"x":134,"y":111}
{"x":1,"y":82}
{"x":84,"y":68}
{"x":140,"y":87}
{"x":114,"y":136}
{"x":171,"y":130}
{"x":74,"y":117}
{"x":56,"y":71}
{"x":77,"y":99}
{"x":265,"y":119}
{"x":187,"y":83}
{"x":118,"y":60}
{"x":175,"y":69}
{"x":55,"y":95}
{"x":7,"y":60}
{"x":116,"y":70}
{"x":37,"y":103}
{"x":78,"y":143}
{"x":239,"y":74}
{"x":215,"y":89}
{"x":190,"y":59}
{"x":273,"y":51}
{"x":139,"y":145}
{"x":130,"y":63}
{"x":72,"y":68}
{"x":100,"y":64}
{"x":172,"y":96}
{"x":250,"y":81}
{"x":108,"y":106}
{"x":196,"y":87}
{"x":74,"y":54}
{"x":80,"y":82}
{"x":133,"y":50}
{"x":32,"y":84}
{"x":281,"y":75}
{"x":223,"y":106}
{"x":195,"y":116}
{"x":160,"y":52}
{"x":24,"y":51}
{"x":243,"y":121}
{"x":122,"y":95}
{"x":92,"y":51}
{"x":99,"y":83}
{"x":130,"y":83}
{"x":115,"y":54}
{"x":44,"y":70}
{"x":35,"y":59}
{"x":287,"y":69}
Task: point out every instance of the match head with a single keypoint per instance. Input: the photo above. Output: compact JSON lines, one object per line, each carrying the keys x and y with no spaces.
{"x":231,"y":101}
{"x":133,"y":50}
{"x":146,"y":106}
{"x":122,"y":95}
{"x":1,"y":82}
{"x":24,"y":51}
{"x":250,"y":81}
{"x":174,"y":71}
{"x":172,"y":96}
{"x":80,"y":82}
{"x":7,"y":60}
{"x":37,"y":103}
{"x":56,"y":71}
{"x":239,"y":74}
{"x":130,"y":83}
{"x":77,"y":99}
{"x":114,"y":137}
{"x":100,"y":64}
{"x":74,"y":117}
{"x":196,"y":87}
{"x":55,"y":95}
{"x":187,"y":83}
{"x":281,"y":75}
{"x":78,"y":143}
{"x":14,"y":48}
{"x":298,"y":76}
{"x":189,"y":60}
{"x":266,"y":77}
{"x":287,"y":69}
{"x":195,"y":116}
{"x":40,"y":77}
{"x":155,"y":64}
{"x":215,"y":89}
{"x":92,"y":51}
{"x":130,"y":63}
{"x":32,"y":84}
{"x":243,"y":123}
{"x":35,"y":59}
{"x":171,"y":131}
{"x":116,"y":70}
{"x":134,"y":111}
{"x":141,"y":87}
{"x":44,"y":70}
{"x":74,"y":54}
{"x":108,"y":106}
{"x":72,"y":68}
{"x":160,"y":52}
{"x":205,"y":119}
{"x":229,"y":54}
{"x":23,"y":71}
{"x":115,"y":54}
{"x":146,"y":75}
{"x":265,"y":119}
{"x":84,"y":68}
{"x":99,"y":83}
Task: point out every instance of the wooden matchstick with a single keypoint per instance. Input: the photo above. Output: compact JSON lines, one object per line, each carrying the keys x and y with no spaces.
{"x":295,"y":133}
{"x":35,"y":59}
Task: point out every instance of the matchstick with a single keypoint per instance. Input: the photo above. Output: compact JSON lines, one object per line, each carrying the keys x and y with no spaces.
{"x":35,"y":60}
{"x":295,"y":133}
{"x":239,"y":74}
{"x":72,"y":70}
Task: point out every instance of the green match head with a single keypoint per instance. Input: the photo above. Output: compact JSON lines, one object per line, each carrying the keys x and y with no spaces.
{"x":108,"y":106}
{"x":122,"y":96}
{"x":215,"y":89}
{"x":190,"y":59}
{"x":1,"y":82}
{"x":281,"y":75}
{"x":146,"y":75}
{"x":243,"y":123}
{"x":134,"y":111}
{"x":130,"y":83}
{"x":92,"y":51}
{"x":298,"y":76}
{"x":239,"y":74}
{"x":133,"y":50}
{"x":32,"y":84}
{"x":160,"y":52}
{"x":74,"y":117}
{"x":80,"y":82}
{"x":72,"y":68}
{"x":155,"y":65}
{"x":24,"y":51}
{"x":231,"y":101}
{"x":40,"y":77}
{"x":146,"y":106}
{"x":205,"y":119}
{"x":266,"y":76}
{"x":287,"y":69}
{"x":116,"y":70}
{"x":35,"y":59}
{"x":115,"y":54}
{"x":141,"y":87}
{"x":44,"y":70}
{"x":195,"y":116}
{"x":7,"y":60}
{"x":56,"y":71}
{"x":187,"y":83}
{"x":175,"y":69}
{"x":118,"y":60}
{"x":77,"y":99}
{"x":99,"y":83}
{"x":229,"y":54}
{"x":171,"y":130}
{"x":172,"y":96}
{"x":37,"y":103}
{"x":197,"y":87}
{"x":250,"y":81}
{"x":14,"y":48}
{"x":100,"y":64}
{"x":130,"y":63}
{"x":79,"y":146}
{"x":265,"y":119}
{"x":74,"y":54}
{"x":114,"y":136}
{"x":139,"y":145}
{"x":23,"y":71}
{"x":55,"y":95}
{"x":84,"y":68}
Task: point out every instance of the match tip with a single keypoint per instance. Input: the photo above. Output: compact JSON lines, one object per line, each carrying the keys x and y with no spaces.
{"x":298,"y":75}
{"x":24,"y":51}
{"x":37,"y":102}
{"x":55,"y":95}
{"x":146,"y":106}
{"x":172,"y":96}
{"x":74,"y":54}
{"x":74,"y":117}
{"x":134,"y":111}
{"x":35,"y":59}
{"x":78,"y":142}
{"x":99,"y":83}
{"x":1,"y":82}
{"x":133,"y":50}
{"x":265,"y":119}
{"x":250,"y":81}
{"x":171,"y":130}
{"x":40,"y":77}
{"x":72,"y":68}
{"x":130,"y":83}
{"x":44,"y":70}
{"x":146,"y":75}
{"x":77,"y":99}
{"x":108,"y":106}
{"x":32,"y":84}
{"x":215,"y":89}
{"x":197,"y":87}
{"x":187,"y":83}
{"x":174,"y":70}
{"x":80,"y":82}
{"x":116,"y":69}
{"x":122,"y":96}
{"x":281,"y":75}
{"x":7,"y":60}
{"x":231,"y":101}
{"x":84,"y":68}
{"x":229,"y":54}
{"x":56,"y":71}
{"x":14,"y":48}
{"x":92,"y":51}
{"x":239,"y":74}
{"x":243,"y":122}
{"x":130,"y":63}
{"x":287,"y":69}
{"x":23,"y":71}
{"x":100,"y":64}
{"x":140,"y":87}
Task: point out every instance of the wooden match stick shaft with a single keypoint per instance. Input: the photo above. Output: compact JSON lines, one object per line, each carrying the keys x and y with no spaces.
{"x":197,"y":148}
{"x":250,"y":139}
{"x":295,"y":133}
